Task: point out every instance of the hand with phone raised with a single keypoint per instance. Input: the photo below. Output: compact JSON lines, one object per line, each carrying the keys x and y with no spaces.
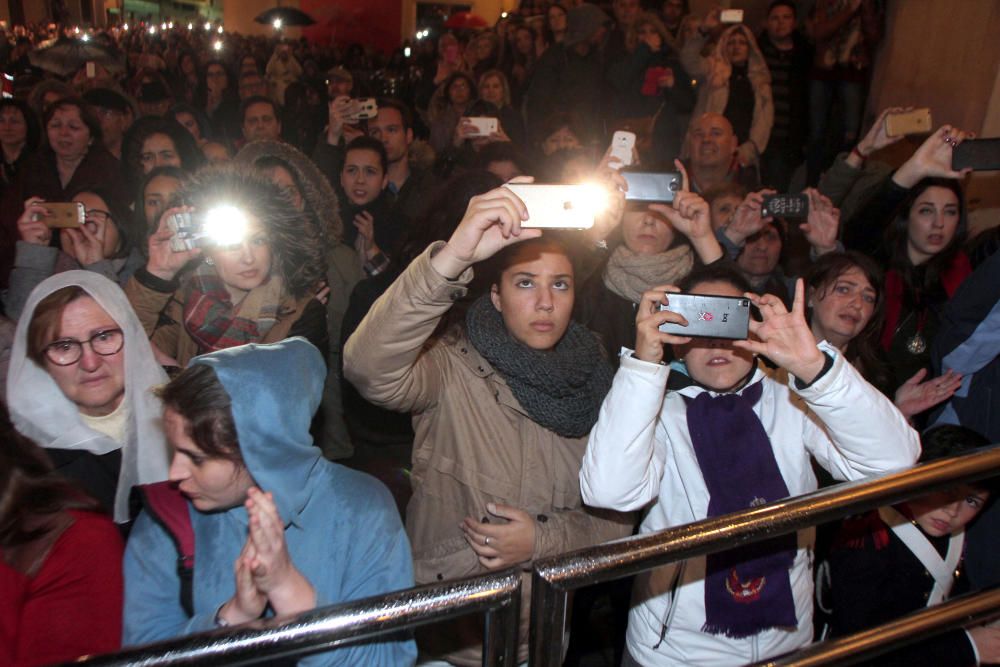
{"x":933,"y":158}
{"x":492,"y":221}
{"x":690,"y":215}
{"x":31,"y":227}
{"x":164,"y":262}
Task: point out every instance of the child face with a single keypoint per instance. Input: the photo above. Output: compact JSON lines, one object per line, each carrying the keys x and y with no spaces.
{"x":946,"y":512}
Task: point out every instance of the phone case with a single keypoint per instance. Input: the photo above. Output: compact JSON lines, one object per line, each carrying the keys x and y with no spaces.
{"x":917,"y":121}
{"x":647,"y":187}
{"x":556,"y":206}
{"x":977,"y":154}
{"x":709,"y":316}
{"x":731,"y":16}
{"x":785,"y":206}
{"x":64,"y":215}
{"x":622,"y":143}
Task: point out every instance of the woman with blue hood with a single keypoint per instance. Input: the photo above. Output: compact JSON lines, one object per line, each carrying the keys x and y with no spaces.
{"x":299,"y":532}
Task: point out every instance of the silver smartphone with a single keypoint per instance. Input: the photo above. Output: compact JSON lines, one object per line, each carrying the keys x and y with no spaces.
{"x":709,"y":316}
{"x":559,"y":206}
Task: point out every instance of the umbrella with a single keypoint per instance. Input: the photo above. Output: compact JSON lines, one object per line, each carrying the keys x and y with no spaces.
{"x":67,"y":55}
{"x":460,"y":20}
{"x":287,"y":15}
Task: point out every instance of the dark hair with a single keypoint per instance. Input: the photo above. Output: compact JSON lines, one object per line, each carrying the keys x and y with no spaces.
{"x":140,"y":201}
{"x":297,"y":255}
{"x":366,"y":143}
{"x":199,"y":116}
{"x":46,"y":319}
{"x":501,"y":151}
{"x":864,"y":349}
{"x":949,"y":440}
{"x":130,"y":236}
{"x":187,"y":149}
{"x":34,"y":133}
{"x":558,"y":120}
{"x":29,"y":488}
{"x":983,"y":246}
{"x":86,"y":115}
{"x":718,"y":272}
{"x":724,"y":189}
{"x":197,"y":395}
{"x":258,"y":99}
{"x":450,"y":81}
{"x":933,"y":268}
{"x":782,"y":3}
{"x":404,"y":111}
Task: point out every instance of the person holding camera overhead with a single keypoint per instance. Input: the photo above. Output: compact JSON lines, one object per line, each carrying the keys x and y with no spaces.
{"x":501,"y":406}
{"x":258,"y":285}
{"x":715,"y":432}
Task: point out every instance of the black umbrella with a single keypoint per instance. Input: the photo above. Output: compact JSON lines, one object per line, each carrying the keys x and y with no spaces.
{"x":287,"y":15}
{"x":68,"y":55}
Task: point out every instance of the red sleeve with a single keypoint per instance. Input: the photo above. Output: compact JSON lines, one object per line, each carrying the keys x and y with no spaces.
{"x":74,"y":605}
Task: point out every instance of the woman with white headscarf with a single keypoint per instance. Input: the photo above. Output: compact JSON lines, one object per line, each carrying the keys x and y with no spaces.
{"x":80,"y":381}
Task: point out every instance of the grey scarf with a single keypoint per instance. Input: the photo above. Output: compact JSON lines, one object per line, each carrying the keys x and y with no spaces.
{"x":629,"y":274}
{"x":560,"y":389}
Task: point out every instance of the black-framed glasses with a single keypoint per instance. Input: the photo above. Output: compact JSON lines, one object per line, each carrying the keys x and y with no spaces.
{"x":97,"y":215}
{"x":67,"y":351}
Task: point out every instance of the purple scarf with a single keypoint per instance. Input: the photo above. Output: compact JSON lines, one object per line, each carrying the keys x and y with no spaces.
{"x":747,"y":589}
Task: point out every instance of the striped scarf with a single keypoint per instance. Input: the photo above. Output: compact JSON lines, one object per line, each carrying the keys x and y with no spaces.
{"x":212,"y":320}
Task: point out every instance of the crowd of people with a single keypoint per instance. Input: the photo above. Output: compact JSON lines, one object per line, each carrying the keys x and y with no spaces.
{"x":275,"y":335}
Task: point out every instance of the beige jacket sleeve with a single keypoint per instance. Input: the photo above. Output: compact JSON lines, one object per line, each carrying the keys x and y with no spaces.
{"x":384,"y":357}
{"x":148,"y":305}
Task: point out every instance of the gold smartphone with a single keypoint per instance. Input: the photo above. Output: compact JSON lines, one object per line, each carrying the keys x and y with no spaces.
{"x":917,"y":121}
{"x":64,"y":215}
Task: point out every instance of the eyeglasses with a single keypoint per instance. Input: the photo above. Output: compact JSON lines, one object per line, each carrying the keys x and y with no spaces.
{"x":97,"y":215}
{"x":67,"y":351}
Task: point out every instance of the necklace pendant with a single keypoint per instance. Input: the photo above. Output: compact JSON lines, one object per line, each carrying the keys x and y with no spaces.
{"x":916,"y":344}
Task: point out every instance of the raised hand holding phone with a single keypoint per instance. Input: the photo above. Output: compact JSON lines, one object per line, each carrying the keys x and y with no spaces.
{"x":31,"y":226}
{"x":649,"y":317}
{"x":691,"y":216}
{"x":492,"y":221}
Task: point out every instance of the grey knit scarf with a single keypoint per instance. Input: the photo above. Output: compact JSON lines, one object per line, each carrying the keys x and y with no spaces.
{"x":562,"y":388}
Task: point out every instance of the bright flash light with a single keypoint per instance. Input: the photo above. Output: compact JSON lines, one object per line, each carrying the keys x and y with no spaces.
{"x":190,"y":26}
{"x":208,"y":26}
{"x":277,"y":24}
{"x":225,"y":225}
{"x":171,"y":25}
{"x":217,"y":45}
{"x":85,"y":37}
{"x":77,"y":30}
{"x":592,"y":197}
{"x":406,"y":52}
{"x":219,"y":30}
{"x":125,"y":26}
{"x":503,"y":15}
{"x":163,"y":26}
{"x":152,"y":30}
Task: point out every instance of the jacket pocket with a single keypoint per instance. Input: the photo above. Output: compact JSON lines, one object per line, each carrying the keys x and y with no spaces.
{"x":443,"y":472}
{"x":447,"y":559}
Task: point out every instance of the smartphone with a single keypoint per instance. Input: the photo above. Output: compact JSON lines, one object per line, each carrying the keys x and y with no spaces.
{"x":622,"y":144}
{"x":485,"y":126}
{"x":91,"y":70}
{"x":648,"y":187}
{"x":557,"y":205}
{"x":731,"y":16}
{"x":785,"y":206}
{"x":64,"y":215}
{"x":709,"y":316}
{"x":363,"y":108}
{"x":977,"y":154}
{"x":917,"y":121}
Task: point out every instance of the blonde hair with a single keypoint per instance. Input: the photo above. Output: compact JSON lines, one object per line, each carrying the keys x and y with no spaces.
{"x":495,"y":73}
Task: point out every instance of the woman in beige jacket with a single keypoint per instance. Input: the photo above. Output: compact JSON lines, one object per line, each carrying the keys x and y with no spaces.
{"x":501,"y":408}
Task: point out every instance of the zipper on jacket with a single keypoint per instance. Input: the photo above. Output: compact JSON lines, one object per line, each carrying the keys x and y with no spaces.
{"x":668,"y":619}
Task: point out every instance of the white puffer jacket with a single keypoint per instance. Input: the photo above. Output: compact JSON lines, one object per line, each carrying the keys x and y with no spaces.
{"x":640,"y":453}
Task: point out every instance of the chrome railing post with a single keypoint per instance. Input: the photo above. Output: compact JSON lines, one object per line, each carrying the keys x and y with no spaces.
{"x":548,"y":623}
{"x":500,"y":628}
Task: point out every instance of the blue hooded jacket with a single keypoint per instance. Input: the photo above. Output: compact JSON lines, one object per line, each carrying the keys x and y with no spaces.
{"x":342,"y":528}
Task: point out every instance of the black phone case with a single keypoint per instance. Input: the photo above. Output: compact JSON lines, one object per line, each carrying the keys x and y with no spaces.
{"x":785,"y":206}
{"x":709,"y":316}
{"x":979,"y":154}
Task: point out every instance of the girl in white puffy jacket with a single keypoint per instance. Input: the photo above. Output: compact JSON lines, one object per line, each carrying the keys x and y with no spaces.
{"x":714,"y":433}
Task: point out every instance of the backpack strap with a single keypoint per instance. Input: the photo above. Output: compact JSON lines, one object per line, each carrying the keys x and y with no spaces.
{"x":169,"y":508}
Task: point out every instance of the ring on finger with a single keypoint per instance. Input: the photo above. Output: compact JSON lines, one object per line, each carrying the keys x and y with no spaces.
{"x":486,"y":541}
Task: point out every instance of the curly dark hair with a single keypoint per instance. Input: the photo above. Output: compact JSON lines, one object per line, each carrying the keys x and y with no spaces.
{"x":298,"y":256}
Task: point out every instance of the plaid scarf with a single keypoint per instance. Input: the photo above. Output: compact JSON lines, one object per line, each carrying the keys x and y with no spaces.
{"x":212,"y":320}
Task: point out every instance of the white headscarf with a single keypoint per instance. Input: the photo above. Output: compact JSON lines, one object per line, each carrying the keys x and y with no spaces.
{"x":42,"y":412}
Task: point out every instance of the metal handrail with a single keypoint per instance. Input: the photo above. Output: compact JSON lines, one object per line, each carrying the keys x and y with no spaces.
{"x":496,"y":594}
{"x":554,"y":577}
{"x":972,"y":609}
